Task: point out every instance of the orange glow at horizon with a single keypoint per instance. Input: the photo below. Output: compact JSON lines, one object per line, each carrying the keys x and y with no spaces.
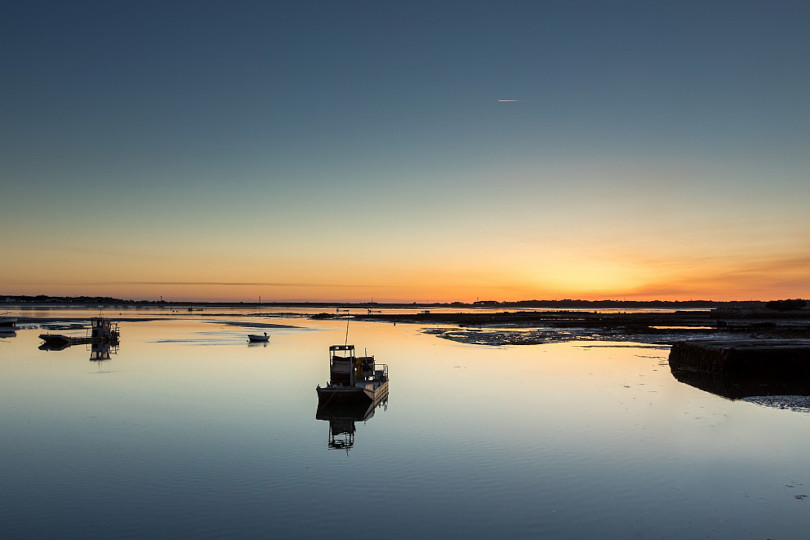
{"x":436,"y":251}
{"x":583,"y":279}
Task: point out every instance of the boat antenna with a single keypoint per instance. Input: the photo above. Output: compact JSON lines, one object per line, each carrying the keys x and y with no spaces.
{"x":345,"y":341}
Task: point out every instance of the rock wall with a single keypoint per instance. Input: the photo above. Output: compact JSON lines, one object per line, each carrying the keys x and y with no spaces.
{"x":759,"y":360}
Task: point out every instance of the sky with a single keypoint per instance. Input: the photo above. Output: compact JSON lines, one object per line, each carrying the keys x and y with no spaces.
{"x":405,"y":151}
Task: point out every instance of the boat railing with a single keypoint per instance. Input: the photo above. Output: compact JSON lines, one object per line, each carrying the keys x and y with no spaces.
{"x":381,"y":371}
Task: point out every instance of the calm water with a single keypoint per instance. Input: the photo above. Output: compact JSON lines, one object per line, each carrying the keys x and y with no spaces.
{"x":189,"y":432}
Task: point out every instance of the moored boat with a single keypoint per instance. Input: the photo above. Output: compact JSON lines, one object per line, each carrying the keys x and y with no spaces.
{"x":101,"y":331}
{"x":258,"y":338}
{"x":353,"y":379}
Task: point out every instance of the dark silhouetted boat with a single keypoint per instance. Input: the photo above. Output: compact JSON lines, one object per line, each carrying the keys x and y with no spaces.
{"x":101,"y":331}
{"x":353,"y":379}
{"x":258,"y":338}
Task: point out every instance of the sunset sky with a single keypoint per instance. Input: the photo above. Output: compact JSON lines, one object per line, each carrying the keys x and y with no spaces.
{"x":406,"y":151}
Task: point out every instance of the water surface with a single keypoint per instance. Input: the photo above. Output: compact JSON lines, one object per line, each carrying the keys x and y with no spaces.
{"x":188,"y":431}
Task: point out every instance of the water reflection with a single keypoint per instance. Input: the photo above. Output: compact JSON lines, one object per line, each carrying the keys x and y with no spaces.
{"x":734,"y":388}
{"x":54,"y":346}
{"x":218,"y":441}
{"x":102,"y":351}
{"x":342,"y":418}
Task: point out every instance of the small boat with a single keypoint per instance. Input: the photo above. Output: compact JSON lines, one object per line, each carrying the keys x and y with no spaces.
{"x":258,"y":338}
{"x":8,"y":323}
{"x":353,"y":379}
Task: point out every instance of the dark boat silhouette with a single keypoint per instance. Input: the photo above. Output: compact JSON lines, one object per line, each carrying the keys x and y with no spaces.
{"x":101,"y":331}
{"x":7,"y":324}
{"x":353,"y":379}
{"x":258,"y":338}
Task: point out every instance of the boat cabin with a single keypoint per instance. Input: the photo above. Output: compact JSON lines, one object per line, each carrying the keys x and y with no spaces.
{"x":103,"y":329}
{"x":345,"y":368}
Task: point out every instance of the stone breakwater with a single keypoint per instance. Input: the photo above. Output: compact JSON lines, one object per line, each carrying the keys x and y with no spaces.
{"x":740,"y":369}
{"x":744,"y":358}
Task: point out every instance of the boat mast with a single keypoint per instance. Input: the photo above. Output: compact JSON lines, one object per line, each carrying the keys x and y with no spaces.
{"x":346,"y":311}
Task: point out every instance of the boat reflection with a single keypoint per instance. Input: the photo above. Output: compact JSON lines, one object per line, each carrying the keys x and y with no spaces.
{"x":342,"y":418}
{"x":53,"y":346}
{"x":102,"y":351}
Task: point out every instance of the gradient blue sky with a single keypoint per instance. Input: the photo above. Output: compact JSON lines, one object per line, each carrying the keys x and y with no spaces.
{"x":230,"y":149}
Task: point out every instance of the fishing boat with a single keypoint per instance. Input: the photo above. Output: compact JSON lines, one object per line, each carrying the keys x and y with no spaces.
{"x":353,"y":379}
{"x":101,"y":331}
{"x":258,"y":338}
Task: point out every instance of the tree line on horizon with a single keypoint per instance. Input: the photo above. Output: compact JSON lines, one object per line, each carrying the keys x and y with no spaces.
{"x":780,"y":305}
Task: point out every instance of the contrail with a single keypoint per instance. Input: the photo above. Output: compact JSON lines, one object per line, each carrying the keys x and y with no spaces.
{"x":510,"y":100}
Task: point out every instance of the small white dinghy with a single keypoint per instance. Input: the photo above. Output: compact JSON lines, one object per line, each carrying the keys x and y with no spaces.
{"x":257,"y":338}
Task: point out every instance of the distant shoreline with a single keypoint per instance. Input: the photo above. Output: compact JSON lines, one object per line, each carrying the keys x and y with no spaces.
{"x":87,"y":301}
{"x":519,"y":323}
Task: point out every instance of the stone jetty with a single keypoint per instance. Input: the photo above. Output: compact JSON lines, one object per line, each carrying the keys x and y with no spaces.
{"x":753,"y":357}
{"x":740,"y":368}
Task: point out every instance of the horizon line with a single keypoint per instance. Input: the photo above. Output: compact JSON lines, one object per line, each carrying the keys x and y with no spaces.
{"x":7,"y":297}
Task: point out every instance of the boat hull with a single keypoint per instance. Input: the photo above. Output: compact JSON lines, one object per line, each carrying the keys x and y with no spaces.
{"x":358,"y":412}
{"x":343,"y":395}
{"x":59,"y":340}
